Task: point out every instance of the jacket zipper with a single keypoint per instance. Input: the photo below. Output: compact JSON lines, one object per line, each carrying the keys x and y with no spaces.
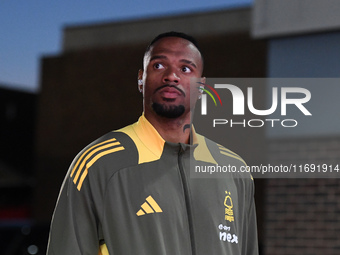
{"x":187,"y":200}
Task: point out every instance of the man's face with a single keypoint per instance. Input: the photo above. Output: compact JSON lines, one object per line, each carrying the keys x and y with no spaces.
{"x":168,"y":68}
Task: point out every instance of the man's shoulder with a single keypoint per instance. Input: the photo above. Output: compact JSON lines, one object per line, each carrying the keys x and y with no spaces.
{"x":224,"y":157}
{"x":102,"y":158}
{"x":114,"y":148}
{"x":219,"y":152}
{"x":113,"y":142}
{"x":116,"y":138}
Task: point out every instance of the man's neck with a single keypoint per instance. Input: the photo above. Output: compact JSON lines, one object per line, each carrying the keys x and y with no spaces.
{"x":176,"y":130}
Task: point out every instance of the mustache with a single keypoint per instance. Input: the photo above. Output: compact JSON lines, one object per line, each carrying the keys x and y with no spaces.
{"x":170,"y":86}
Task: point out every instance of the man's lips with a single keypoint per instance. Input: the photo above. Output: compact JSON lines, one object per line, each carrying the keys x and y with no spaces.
{"x":170,"y":91}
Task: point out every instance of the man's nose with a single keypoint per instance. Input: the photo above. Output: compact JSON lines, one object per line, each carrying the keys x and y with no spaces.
{"x":171,"y":76}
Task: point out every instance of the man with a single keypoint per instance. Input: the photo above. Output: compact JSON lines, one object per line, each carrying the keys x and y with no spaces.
{"x":130,"y":191}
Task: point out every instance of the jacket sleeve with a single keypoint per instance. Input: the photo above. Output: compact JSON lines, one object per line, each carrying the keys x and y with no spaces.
{"x":74,"y":227}
{"x":250,"y":228}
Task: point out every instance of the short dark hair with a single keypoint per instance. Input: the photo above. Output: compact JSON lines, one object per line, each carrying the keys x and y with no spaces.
{"x":175,"y":34}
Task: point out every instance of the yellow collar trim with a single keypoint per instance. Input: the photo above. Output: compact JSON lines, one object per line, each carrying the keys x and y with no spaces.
{"x":148,"y":141}
{"x":150,"y":144}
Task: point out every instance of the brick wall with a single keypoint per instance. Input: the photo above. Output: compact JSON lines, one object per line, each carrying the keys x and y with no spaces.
{"x":302,"y":215}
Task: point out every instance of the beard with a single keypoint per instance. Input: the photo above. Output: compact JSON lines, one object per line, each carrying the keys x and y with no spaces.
{"x":168,"y":111}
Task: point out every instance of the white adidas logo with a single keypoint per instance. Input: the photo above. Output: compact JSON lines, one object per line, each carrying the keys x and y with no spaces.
{"x":150,"y":206}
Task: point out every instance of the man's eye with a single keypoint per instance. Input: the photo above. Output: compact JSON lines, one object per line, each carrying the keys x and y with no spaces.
{"x":186,"y":69}
{"x":158,"y":66}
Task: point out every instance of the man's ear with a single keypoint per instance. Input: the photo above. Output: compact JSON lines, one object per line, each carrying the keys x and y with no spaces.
{"x":202,"y":82}
{"x":140,"y":80}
